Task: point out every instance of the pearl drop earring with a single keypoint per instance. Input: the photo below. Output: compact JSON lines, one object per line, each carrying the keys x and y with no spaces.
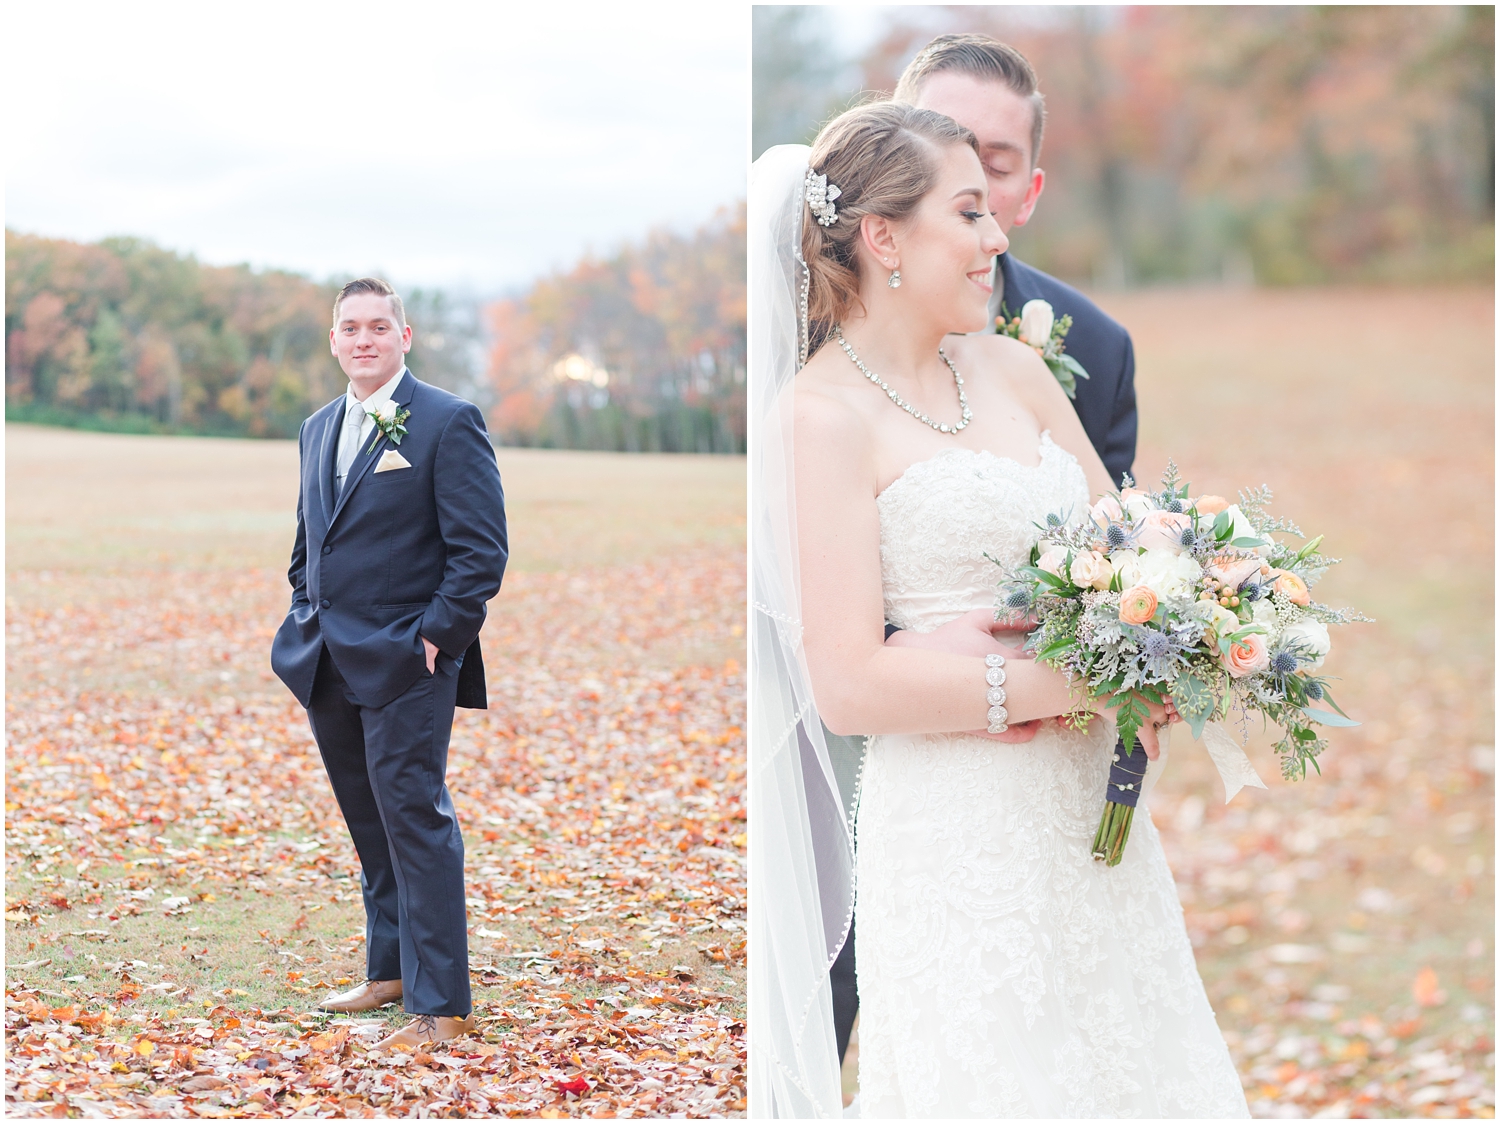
{"x":894,"y":281}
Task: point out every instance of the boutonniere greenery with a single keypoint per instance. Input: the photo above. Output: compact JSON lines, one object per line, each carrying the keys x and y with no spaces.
{"x":390,"y":420}
{"x":1044,"y":333}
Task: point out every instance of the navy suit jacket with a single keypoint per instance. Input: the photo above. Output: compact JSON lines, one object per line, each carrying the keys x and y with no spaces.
{"x":1106,"y":399}
{"x":398,"y":555}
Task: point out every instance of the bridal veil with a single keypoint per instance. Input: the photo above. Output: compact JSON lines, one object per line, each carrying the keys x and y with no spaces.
{"x":801,"y":849}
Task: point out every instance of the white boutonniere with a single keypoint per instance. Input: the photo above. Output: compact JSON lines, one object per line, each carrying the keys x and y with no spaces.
{"x":1045,"y":333}
{"x":390,"y":420}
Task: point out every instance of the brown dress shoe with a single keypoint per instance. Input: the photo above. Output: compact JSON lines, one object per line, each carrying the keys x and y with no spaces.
{"x":429,"y":1028}
{"x":366,"y":997}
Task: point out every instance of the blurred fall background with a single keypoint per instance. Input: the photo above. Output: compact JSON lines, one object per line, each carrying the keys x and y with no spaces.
{"x":1270,"y":144}
{"x":1292,"y":211}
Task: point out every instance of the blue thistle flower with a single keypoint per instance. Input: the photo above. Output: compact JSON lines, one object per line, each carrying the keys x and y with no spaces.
{"x":1283,"y":662}
{"x":1173,"y":505}
{"x":1116,"y":535}
{"x":1017,"y":599}
{"x":1160,"y":650}
{"x":1314,"y":690}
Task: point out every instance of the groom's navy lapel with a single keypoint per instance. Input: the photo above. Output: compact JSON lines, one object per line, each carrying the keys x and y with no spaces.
{"x":1014,"y":292}
{"x":327,"y":454}
{"x":364,"y":461}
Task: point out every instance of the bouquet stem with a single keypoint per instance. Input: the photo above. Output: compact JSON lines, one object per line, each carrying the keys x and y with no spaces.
{"x":1125,"y":774}
{"x":1113,"y":833}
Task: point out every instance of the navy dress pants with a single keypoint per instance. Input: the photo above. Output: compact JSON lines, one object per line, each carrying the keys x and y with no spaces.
{"x":387,"y":767}
{"x":845,"y":983}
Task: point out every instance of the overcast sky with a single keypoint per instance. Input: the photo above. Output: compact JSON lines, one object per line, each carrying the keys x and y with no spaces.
{"x":439,"y":143}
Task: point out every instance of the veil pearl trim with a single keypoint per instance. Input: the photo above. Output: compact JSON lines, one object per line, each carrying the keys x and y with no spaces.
{"x":801,"y":863}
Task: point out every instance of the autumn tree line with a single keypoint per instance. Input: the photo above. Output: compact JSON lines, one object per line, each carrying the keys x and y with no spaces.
{"x":1273,"y":144}
{"x":643,"y":350}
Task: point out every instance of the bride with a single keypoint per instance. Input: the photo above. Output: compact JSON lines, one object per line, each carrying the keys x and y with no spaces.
{"x":1002,"y":970}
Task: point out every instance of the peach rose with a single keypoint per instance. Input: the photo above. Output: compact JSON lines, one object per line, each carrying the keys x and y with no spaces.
{"x":1053,"y":560}
{"x":1106,"y":510}
{"x":1292,"y":586}
{"x":1247,"y":656}
{"x":1163,"y":530}
{"x":1210,"y":505}
{"x":1137,"y":604}
{"x":1233,"y":572}
{"x":1092,"y":570}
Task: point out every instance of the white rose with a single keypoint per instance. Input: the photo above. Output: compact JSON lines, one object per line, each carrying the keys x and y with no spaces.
{"x":1053,"y":560}
{"x":1091,"y":569}
{"x":1313,"y":637}
{"x":1137,"y":504}
{"x":1264,"y":613}
{"x":1127,"y":564}
{"x":1243,"y":529}
{"x":1036,"y":323}
{"x":1169,"y":575}
{"x":386,"y":411}
{"x":1220,"y":619}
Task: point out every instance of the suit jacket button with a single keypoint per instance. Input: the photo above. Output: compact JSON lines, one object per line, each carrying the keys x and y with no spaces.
{"x":328,"y":550}
{"x":324,"y":602}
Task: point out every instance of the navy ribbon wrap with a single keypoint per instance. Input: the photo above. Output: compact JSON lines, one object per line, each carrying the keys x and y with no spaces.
{"x":1125,"y":775}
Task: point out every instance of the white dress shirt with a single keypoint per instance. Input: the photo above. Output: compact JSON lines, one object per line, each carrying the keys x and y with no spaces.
{"x":352,"y":439}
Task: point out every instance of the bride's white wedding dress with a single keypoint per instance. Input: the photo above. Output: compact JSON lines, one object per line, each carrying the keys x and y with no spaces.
{"x":1003,"y":971}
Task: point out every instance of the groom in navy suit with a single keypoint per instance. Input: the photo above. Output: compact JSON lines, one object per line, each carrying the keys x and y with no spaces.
{"x":990,"y":88}
{"x":400,"y":543}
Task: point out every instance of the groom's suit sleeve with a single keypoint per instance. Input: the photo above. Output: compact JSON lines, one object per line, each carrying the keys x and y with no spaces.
{"x":297,"y":573}
{"x":1118,"y":450}
{"x":471,"y":520}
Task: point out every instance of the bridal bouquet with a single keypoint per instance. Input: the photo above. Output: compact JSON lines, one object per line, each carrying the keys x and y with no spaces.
{"x":1157,"y":594}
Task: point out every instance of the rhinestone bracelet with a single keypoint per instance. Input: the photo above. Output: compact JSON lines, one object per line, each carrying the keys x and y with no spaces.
{"x":995,"y":676}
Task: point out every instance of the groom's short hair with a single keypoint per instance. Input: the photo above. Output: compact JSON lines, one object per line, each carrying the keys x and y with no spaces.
{"x":978,"y":56}
{"x":371,"y":285}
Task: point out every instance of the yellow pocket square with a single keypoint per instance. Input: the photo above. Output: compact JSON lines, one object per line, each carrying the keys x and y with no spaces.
{"x":390,"y":460}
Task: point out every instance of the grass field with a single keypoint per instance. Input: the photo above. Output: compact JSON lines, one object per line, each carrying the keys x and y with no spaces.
{"x":180,"y":886}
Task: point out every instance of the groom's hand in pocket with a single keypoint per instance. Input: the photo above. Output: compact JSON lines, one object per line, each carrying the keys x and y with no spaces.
{"x":432,"y":651}
{"x":974,"y":634}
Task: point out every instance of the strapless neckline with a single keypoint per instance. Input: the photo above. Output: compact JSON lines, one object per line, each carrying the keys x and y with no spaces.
{"x":1044,"y":443}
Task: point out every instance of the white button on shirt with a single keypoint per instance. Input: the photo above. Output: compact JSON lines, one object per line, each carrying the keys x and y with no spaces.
{"x":353,"y":440}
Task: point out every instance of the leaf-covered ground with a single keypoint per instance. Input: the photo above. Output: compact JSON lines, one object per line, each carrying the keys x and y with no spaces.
{"x":180,"y":886}
{"x":1345,"y":924}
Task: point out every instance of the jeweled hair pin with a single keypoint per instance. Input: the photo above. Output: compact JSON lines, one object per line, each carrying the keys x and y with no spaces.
{"x":820,"y":197}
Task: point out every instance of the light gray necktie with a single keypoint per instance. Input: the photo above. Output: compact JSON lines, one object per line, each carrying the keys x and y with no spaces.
{"x":354,"y":418}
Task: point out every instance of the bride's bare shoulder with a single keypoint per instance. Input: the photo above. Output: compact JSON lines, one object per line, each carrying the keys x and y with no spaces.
{"x":1005,"y":358}
{"x":823,"y":408}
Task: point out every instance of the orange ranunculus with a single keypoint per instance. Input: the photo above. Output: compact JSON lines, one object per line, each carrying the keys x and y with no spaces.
{"x":1137,"y":604}
{"x":1210,"y":505}
{"x":1293,"y":587}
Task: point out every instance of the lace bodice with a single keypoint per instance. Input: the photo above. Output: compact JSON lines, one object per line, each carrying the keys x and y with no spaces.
{"x":941,"y":517}
{"x":1002,"y":971}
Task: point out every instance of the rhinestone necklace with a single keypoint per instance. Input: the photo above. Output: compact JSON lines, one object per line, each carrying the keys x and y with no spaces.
{"x":958,"y":380}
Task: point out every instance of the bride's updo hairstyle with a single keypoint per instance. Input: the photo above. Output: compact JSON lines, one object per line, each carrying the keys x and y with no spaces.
{"x":881,"y":157}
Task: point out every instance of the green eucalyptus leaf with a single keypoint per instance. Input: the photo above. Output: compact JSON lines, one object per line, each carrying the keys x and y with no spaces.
{"x":1328,"y":717}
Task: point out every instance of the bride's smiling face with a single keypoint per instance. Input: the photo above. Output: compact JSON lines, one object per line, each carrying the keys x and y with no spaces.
{"x":946,"y":250}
